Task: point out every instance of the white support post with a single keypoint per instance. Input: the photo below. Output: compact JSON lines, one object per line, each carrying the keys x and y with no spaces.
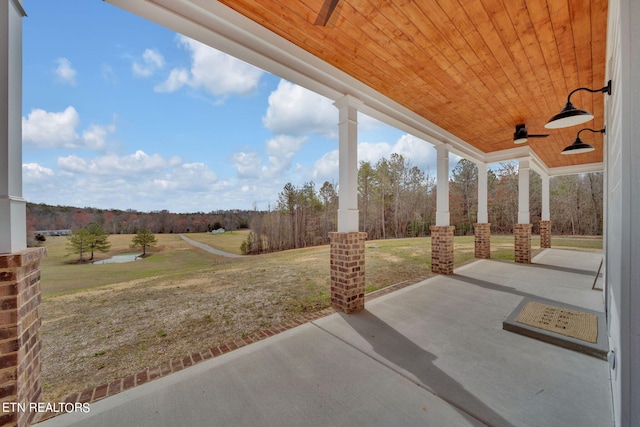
{"x":442,"y":186}
{"x":13,"y":223}
{"x":348,"y":163}
{"x":546,"y":213}
{"x":523,"y":192}
{"x":483,"y":211}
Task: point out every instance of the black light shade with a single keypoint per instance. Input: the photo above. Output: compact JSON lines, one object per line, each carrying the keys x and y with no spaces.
{"x":570,"y":115}
{"x":580,"y":147}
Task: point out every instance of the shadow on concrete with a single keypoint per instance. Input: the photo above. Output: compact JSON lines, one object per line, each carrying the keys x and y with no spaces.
{"x":590,"y":273}
{"x":401,"y":352}
{"x":489,"y":285}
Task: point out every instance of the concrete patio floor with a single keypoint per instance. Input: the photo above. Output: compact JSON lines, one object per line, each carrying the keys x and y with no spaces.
{"x":431,"y":354}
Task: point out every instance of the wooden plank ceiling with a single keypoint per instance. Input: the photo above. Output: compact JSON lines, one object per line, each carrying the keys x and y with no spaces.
{"x":477,"y":68}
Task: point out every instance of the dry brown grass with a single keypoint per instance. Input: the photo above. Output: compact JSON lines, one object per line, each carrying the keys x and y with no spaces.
{"x":93,"y":336}
{"x":182,"y":300}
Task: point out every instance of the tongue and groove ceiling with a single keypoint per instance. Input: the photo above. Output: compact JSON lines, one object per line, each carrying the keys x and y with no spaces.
{"x":474,"y":68}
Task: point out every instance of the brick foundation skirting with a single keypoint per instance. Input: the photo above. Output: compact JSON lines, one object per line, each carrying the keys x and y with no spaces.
{"x":20,"y":343}
{"x":442,"y":249}
{"x":347,"y":271}
{"x":545,"y":234}
{"x":522,"y":249}
{"x":482,"y":240}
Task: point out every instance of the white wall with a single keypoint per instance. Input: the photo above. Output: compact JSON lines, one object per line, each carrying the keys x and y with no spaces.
{"x":622,"y":248}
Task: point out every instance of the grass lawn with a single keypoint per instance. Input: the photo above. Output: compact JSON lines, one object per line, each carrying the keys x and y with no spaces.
{"x":171,"y":256}
{"x":103,"y":322}
{"x":229,"y":241}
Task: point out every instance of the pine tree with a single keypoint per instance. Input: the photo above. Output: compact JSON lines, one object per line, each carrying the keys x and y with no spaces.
{"x":89,"y":239}
{"x":144,"y":239}
{"x":100,"y":241}
{"x":78,"y":242}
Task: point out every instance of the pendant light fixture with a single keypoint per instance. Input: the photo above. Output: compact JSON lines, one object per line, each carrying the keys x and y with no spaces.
{"x":580,"y":147}
{"x":570,"y":115}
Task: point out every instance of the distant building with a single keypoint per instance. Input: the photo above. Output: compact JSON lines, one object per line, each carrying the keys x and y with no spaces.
{"x":54,"y":232}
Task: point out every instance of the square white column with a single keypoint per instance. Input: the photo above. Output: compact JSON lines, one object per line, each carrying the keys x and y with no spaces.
{"x":483,"y":212}
{"x":13,"y":222}
{"x":546,"y":213}
{"x":348,"y":163}
{"x":523,"y":192}
{"x":442,"y":186}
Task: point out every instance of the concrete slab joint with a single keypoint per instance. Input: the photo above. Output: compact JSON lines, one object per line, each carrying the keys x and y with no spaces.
{"x":442,"y":249}
{"x":20,"y":320}
{"x":522,"y":249}
{"x":347,"y":271}
{"x":482,"y":240}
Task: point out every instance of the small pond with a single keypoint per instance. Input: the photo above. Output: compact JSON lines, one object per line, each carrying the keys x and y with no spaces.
{"x":119,"y":259}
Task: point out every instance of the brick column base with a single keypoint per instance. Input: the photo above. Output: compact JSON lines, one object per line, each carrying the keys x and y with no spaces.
{"x":347,"y":271}
{"x":482,"y":240}
{"x":20,"y":320}
{"x":522,"y":243}
{"x":442,"y":249}
{"x":545,"y":234}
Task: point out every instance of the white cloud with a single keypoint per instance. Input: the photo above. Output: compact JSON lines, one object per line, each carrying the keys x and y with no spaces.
{"x":47,"y":129}
{"x":294,"y":110}
{"x":33,"y":173}
{"x":281,"y":151}
{"x":137,"y":181}
{"x":326,"y":167}
{"x":191,"y":176}
{"x":96,"y":135}
{"x":213,"y":71}
{"x":64,"y":72}
{"x":373,"y":151}
{"x":177,"y":78}
{"x":59,"y":130}
{"x":110,"y":164}
{"x":248,"y":165}
{"x":151,"y":61}
{"x":418,"y":152}
{"x":41,"y":183}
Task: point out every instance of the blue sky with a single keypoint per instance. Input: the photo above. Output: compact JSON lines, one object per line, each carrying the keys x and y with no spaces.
{"x":119,"y":112}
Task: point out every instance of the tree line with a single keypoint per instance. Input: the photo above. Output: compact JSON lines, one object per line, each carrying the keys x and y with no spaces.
{"x":397,"y":199}
{"x":42,"y":217}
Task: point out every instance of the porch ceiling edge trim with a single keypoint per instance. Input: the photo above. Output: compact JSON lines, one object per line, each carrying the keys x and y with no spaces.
{"x":577,"y":169}
{"x":217,"y":25}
